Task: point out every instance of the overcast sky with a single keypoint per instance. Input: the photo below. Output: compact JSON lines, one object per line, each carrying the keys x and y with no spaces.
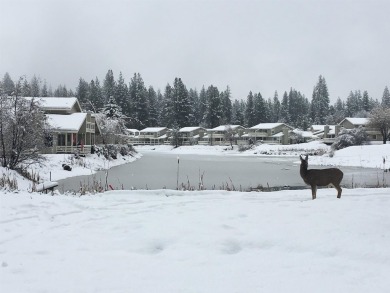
{"x":258,"y":46}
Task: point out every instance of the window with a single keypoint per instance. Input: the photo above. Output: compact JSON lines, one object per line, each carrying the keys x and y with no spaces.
{"x":61,"y":139}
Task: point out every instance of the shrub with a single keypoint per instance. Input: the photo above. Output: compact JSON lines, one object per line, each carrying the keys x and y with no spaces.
{"x":110,"y":151}
{"x":350,"y":137}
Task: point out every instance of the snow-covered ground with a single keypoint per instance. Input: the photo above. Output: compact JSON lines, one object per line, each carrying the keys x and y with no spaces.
{"x":201,"y":241}
{"x":198,"y":241}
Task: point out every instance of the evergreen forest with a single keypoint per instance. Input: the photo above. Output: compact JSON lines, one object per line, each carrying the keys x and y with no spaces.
{"x":177,"y":106}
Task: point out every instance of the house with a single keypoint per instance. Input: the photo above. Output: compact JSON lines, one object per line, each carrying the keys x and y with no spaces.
{"x":152,"y":136}
{"x":351,"y":123}
{"x":300,"y":136}
{"x":131,"y":136}
{"x":69,"y":130}
{"x":191,"y":135}
{"x":326,"y":133}
{"x":219,"y":135}
{"x":272,"y":133}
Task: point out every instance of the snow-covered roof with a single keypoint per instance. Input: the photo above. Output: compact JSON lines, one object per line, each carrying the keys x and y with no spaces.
{"x":189,"y":129}
{"x":306,"y":134}
{"x":56,"y":103}
{"x":223,"y":127}
{"x":71,"y":122}
{"x":153,"y":129}
{"x":279,"y":134}
{"x":266,"y":125}
{"x":356,"y":121}
{"x":317,"y":128}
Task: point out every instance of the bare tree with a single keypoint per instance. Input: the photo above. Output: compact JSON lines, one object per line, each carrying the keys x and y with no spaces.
{"x":22,"y":125}
{"x":229,"y":135}
{"x":380,"y":119}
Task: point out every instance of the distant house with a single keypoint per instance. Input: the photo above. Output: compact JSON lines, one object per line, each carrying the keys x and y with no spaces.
{"x":191,"y":135}
{"x":351,"y":123}
{"x":152,"y":136}
{"x":300,"y":136}
{"x":70,"y":130}
{"x":272,"y":133}
{"x":326,"y":133}
{"x":218,"y":135}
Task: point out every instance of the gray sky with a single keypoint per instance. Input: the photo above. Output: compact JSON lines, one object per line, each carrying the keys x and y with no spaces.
{"x":258,"y":46}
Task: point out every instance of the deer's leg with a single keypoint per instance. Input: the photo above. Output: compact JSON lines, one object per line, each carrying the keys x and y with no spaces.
{"x":339,"y":190}
{"x":313,"y":191}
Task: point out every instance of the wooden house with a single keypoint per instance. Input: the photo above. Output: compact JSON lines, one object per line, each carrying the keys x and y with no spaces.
{"x":351,"y":123}
{"x":271,"y":133}
{"x":152,"y":136}
{"x":69,"y":130}
{"x":191,"y":135}
{"x":218,"y":135}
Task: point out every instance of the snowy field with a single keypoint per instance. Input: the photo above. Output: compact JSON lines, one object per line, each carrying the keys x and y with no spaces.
{"x":176,"y":241}
{"x":200,"y":241}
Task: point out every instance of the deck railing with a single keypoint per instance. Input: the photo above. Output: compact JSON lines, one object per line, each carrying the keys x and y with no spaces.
{"x":86,"y":149}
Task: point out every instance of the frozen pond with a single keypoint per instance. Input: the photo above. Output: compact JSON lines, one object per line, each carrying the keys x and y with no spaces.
{"x":161,"y":170}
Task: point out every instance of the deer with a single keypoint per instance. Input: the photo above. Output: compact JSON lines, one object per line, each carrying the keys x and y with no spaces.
{"x":320,"y":177}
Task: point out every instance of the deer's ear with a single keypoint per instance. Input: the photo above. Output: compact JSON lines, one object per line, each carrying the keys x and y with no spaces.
{"x":307,"y":157}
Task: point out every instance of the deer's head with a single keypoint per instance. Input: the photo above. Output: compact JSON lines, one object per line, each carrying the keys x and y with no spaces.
{"x":304,"y":161}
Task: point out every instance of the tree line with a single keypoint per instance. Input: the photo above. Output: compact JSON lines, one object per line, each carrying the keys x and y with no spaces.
{"x":177,"y":106}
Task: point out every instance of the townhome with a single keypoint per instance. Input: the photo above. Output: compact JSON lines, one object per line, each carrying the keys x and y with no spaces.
{"x":69,"y":130}
{"x":219,"y":135}
{"x":191,"y":135}
{"x":351,"y":123}
{"x":271,"y":133}
{"x":326,"y":133}
{"x":152,"y":136}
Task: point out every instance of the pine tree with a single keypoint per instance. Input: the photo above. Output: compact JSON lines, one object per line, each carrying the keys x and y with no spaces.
{"x":159,"y":106}
{"x":259,"y":108}
{"x":202,"y":106}
{"x":250,"y":118}
{"x":167,"y":112}
{"x":237,"y":113}
{"x":95,"y":96}
{"x":8,"y":85}
{"x":213,"y":112}
{"x":61,"y":91}
{"x":195,"y":118}
{"x":366,"y":102}
{"x":44,"y":90}
{"x":339,"y":111}
{"x":284,"y":110}
{"x":276,"y":108}
{"x":26,"y":89}
{"x":226,"y":107}
{"x":153,"y":113}
{"x":139,"y":102}
{"x":320,"y":102}
{"x":354,"y":103}
{"x":82,"y":92}
{"x":109,"y":86}
{"x":181,"y":103}
{"x":122,"y":95}
{"x":111,"y":121}
{"x":35,"y":88}
{"x":386,"y":98}
{"x":112,"y":110}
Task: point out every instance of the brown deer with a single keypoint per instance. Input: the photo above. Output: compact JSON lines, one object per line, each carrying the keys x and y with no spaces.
{"x":320,"y":177}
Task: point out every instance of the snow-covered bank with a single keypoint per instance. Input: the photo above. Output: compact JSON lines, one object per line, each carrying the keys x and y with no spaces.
{"x":51,"y":168}
{"x":173,"y":241}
